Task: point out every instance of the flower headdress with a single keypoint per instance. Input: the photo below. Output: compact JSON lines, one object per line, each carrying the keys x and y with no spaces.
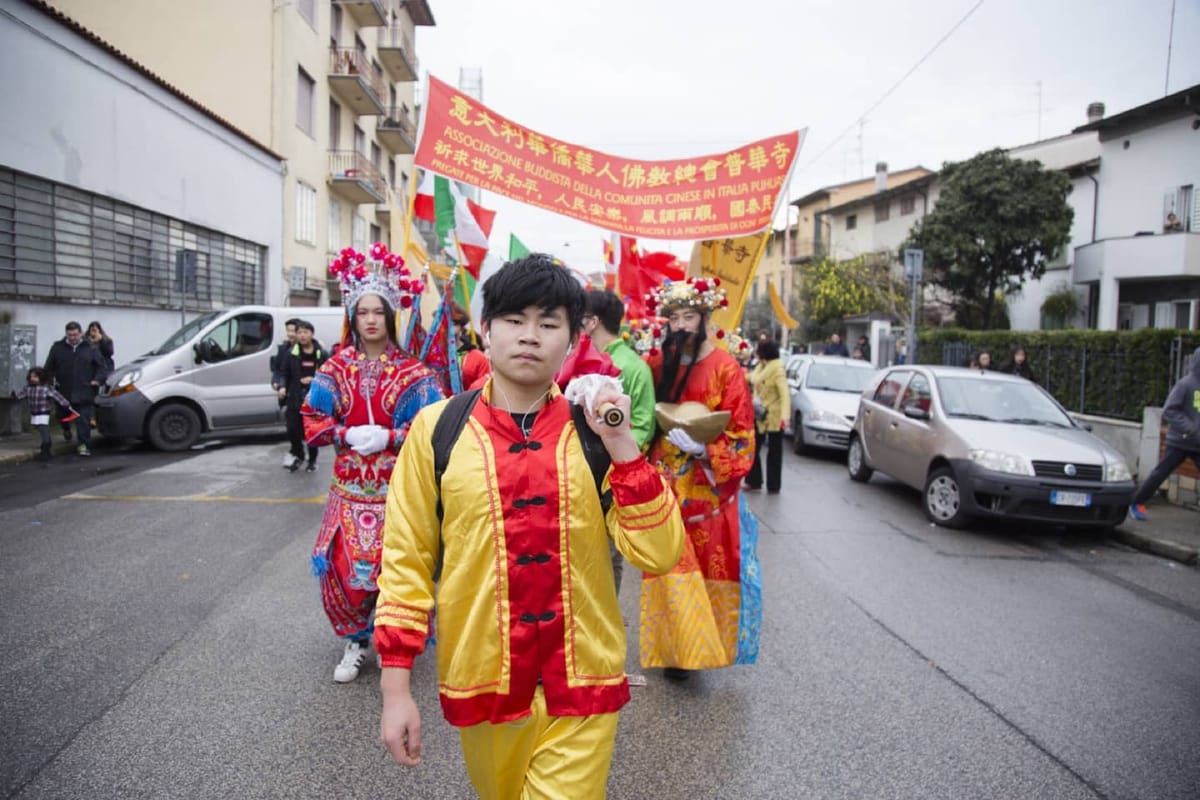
{"x":702,"y":294}
{"x":739,"y":348}
{"x":382,"y":274}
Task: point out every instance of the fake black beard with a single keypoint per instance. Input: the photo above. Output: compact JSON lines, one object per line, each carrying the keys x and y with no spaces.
{"x":676,"y":347}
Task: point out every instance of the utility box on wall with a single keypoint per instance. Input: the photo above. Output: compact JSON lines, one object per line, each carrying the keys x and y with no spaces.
{"x":18,"y":343}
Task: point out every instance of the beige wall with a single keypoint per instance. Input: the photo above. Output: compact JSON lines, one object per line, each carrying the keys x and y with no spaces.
{"x":218,"y":52}
{"x":836,"y":195}
{"x":241,"y":59}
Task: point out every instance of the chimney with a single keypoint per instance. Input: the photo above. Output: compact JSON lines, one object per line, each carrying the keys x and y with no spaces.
{"x":880,"y":176}
{"x":1095,"y":112}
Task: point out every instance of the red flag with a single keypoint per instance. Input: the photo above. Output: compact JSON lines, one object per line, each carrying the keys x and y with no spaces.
{"x":639,"y":273}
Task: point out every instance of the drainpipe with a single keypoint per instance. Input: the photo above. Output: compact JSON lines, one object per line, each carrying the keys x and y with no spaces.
{"x":1095,"y":202}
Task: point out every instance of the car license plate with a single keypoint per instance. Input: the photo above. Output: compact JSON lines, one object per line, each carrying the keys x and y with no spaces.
{"x":1081,"y":499}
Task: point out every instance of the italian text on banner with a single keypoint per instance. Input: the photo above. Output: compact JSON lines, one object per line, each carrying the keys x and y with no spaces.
{"x":708,"y":197}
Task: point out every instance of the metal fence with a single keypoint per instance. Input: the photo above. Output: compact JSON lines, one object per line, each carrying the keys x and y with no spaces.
{"x":1105,"y":383}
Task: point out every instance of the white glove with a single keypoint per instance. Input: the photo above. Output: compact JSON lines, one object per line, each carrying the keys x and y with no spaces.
{"x":356,"y":435}
{"x":375,"y":438}
{"x":680,"y":438}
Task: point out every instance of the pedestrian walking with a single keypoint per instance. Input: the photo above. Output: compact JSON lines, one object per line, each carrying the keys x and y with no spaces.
{"x":299,"y":368}
{"x":515,"y":522}
{"x":278,"y":359}
{"x":361,"y":402}
{"x":772,"y":394}
{"x":1182,"y":415}
{"x":77,"y":369}
{"x":706,"y":613}
{"x":38,"y":395}
{"x":103,"y":343}
{"x":1018,"y":364}
{"x":836,"y":347}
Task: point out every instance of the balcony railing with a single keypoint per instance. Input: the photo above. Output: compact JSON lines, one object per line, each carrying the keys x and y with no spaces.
{"x":355,"y":81}
{"x":354,"y":177}
{"x":397,"y":54}
{"x":367,"y":13}
{"x":396,"y":132}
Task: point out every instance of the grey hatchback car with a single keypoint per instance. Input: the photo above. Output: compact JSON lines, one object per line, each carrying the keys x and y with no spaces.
{"x":986,"y":444}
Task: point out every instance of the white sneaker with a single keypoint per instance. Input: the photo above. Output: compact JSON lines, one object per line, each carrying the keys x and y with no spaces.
{"x":289,"y":461}
{"x":352,"y":660}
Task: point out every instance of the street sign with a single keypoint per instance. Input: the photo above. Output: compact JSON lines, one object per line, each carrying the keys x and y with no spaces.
{"x":914,"y":264}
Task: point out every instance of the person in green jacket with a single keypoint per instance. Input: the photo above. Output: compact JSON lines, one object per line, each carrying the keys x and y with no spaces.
{"x":602,"y":323}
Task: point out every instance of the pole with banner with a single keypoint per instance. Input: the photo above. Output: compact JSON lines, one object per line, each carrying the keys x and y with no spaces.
{"x":914,"y":265}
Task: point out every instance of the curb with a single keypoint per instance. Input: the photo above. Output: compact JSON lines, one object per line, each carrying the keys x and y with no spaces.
{"x":1159,"y":547}
{"x":58,"y":448}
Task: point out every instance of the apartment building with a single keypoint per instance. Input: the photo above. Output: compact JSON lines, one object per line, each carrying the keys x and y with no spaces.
{"x":330,"y":85}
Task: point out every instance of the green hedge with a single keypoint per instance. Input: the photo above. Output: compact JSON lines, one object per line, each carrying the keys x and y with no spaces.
{"x":1107,"y":373}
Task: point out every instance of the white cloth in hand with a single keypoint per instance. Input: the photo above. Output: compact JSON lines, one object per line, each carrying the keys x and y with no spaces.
{"x":373,"y":439}
{"x":680,"y":438}
{"x":583,"y":389}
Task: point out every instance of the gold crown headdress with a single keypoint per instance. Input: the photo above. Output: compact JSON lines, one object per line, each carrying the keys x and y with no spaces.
{"x":702,"y":294}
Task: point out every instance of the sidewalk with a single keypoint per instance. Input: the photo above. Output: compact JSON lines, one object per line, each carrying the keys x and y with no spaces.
{"x":1171,"y":531}
{"x":24,"y":446}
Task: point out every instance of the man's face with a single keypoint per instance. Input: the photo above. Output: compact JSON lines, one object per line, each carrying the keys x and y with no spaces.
{"x":370,"y":320}
{"x":685,"y":319}
{"x":74,"y":335}
{"x":835,"y":339}
{"x":528,"y":347}
{"x":34,"y":379}
{"x":985,"y":360}
{"x":291,"y":334}
{"x":304,"y":336}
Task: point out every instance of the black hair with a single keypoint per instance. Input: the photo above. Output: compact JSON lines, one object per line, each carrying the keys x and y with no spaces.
{"x":535,"y":280}
{"x":607,"y":308}
{"x":42,"y":376}
{"x":768,"y":350}
{"x":305,"y":324}
{"x":294,"y":321}
{"x":96,"y":324}
{"x":73,"y":326}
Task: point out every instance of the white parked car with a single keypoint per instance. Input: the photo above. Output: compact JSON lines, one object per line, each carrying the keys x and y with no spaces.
{"x":825,"y":394}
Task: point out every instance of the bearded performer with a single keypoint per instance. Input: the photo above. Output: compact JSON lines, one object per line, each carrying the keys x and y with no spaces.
{"x":362,"y":401}
{"x":706,"y":612}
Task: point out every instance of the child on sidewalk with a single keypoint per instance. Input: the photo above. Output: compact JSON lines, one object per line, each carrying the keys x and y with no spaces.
{"x":38,"y":393}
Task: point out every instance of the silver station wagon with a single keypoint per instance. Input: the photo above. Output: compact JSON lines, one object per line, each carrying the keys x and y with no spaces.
{"x":986,"y":444}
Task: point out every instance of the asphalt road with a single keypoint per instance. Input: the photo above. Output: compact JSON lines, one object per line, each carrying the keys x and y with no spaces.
{"x":162,"y":638}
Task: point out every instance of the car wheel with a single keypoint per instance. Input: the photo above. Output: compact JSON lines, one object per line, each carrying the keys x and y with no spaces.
{"x":173,"y":427}
{"x":943,"y":499}
{"x":856,"y":461}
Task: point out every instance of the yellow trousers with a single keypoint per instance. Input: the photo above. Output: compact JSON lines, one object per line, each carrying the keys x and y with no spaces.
{"x":541,"y":757}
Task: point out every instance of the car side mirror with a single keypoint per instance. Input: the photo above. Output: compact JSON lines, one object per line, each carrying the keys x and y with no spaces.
{"x":198,"y":350}
{"x":914,"y":410}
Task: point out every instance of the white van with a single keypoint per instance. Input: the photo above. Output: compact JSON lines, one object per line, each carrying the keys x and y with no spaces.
{"x":212,"y":374}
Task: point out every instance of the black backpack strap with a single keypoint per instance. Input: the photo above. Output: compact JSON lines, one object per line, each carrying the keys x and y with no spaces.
{"x":597,"y":455}
{"x":446,"y":432}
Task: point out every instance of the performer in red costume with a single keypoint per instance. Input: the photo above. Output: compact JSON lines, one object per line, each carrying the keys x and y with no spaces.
{"x":362,"y":402}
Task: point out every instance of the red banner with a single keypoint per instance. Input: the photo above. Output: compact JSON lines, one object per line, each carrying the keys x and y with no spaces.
{"x":709,"y":197}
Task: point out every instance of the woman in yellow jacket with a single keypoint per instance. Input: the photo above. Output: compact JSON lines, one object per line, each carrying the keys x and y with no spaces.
{"x":773,"y":409}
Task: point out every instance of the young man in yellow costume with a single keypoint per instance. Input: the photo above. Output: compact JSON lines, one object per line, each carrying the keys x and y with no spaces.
{"x":531,"y":647}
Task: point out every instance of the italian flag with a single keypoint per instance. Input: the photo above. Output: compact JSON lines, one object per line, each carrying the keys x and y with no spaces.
{"x":462,"y":220}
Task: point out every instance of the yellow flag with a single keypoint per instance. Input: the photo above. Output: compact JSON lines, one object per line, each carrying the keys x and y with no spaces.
{"x":734,"y":261}
{"x":781,"y":313}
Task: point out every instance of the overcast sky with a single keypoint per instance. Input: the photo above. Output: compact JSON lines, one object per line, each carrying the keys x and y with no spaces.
{"x":675,"y":79}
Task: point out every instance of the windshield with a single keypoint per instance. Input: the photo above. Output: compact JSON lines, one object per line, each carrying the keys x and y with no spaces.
{"x":839,"y":378}
{"x":1000,"y":401}
{"x":185,"y":334}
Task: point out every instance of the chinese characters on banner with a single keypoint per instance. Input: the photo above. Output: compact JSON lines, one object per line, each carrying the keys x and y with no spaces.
{"x":734,"y":261}
{"x":727,"y":194}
